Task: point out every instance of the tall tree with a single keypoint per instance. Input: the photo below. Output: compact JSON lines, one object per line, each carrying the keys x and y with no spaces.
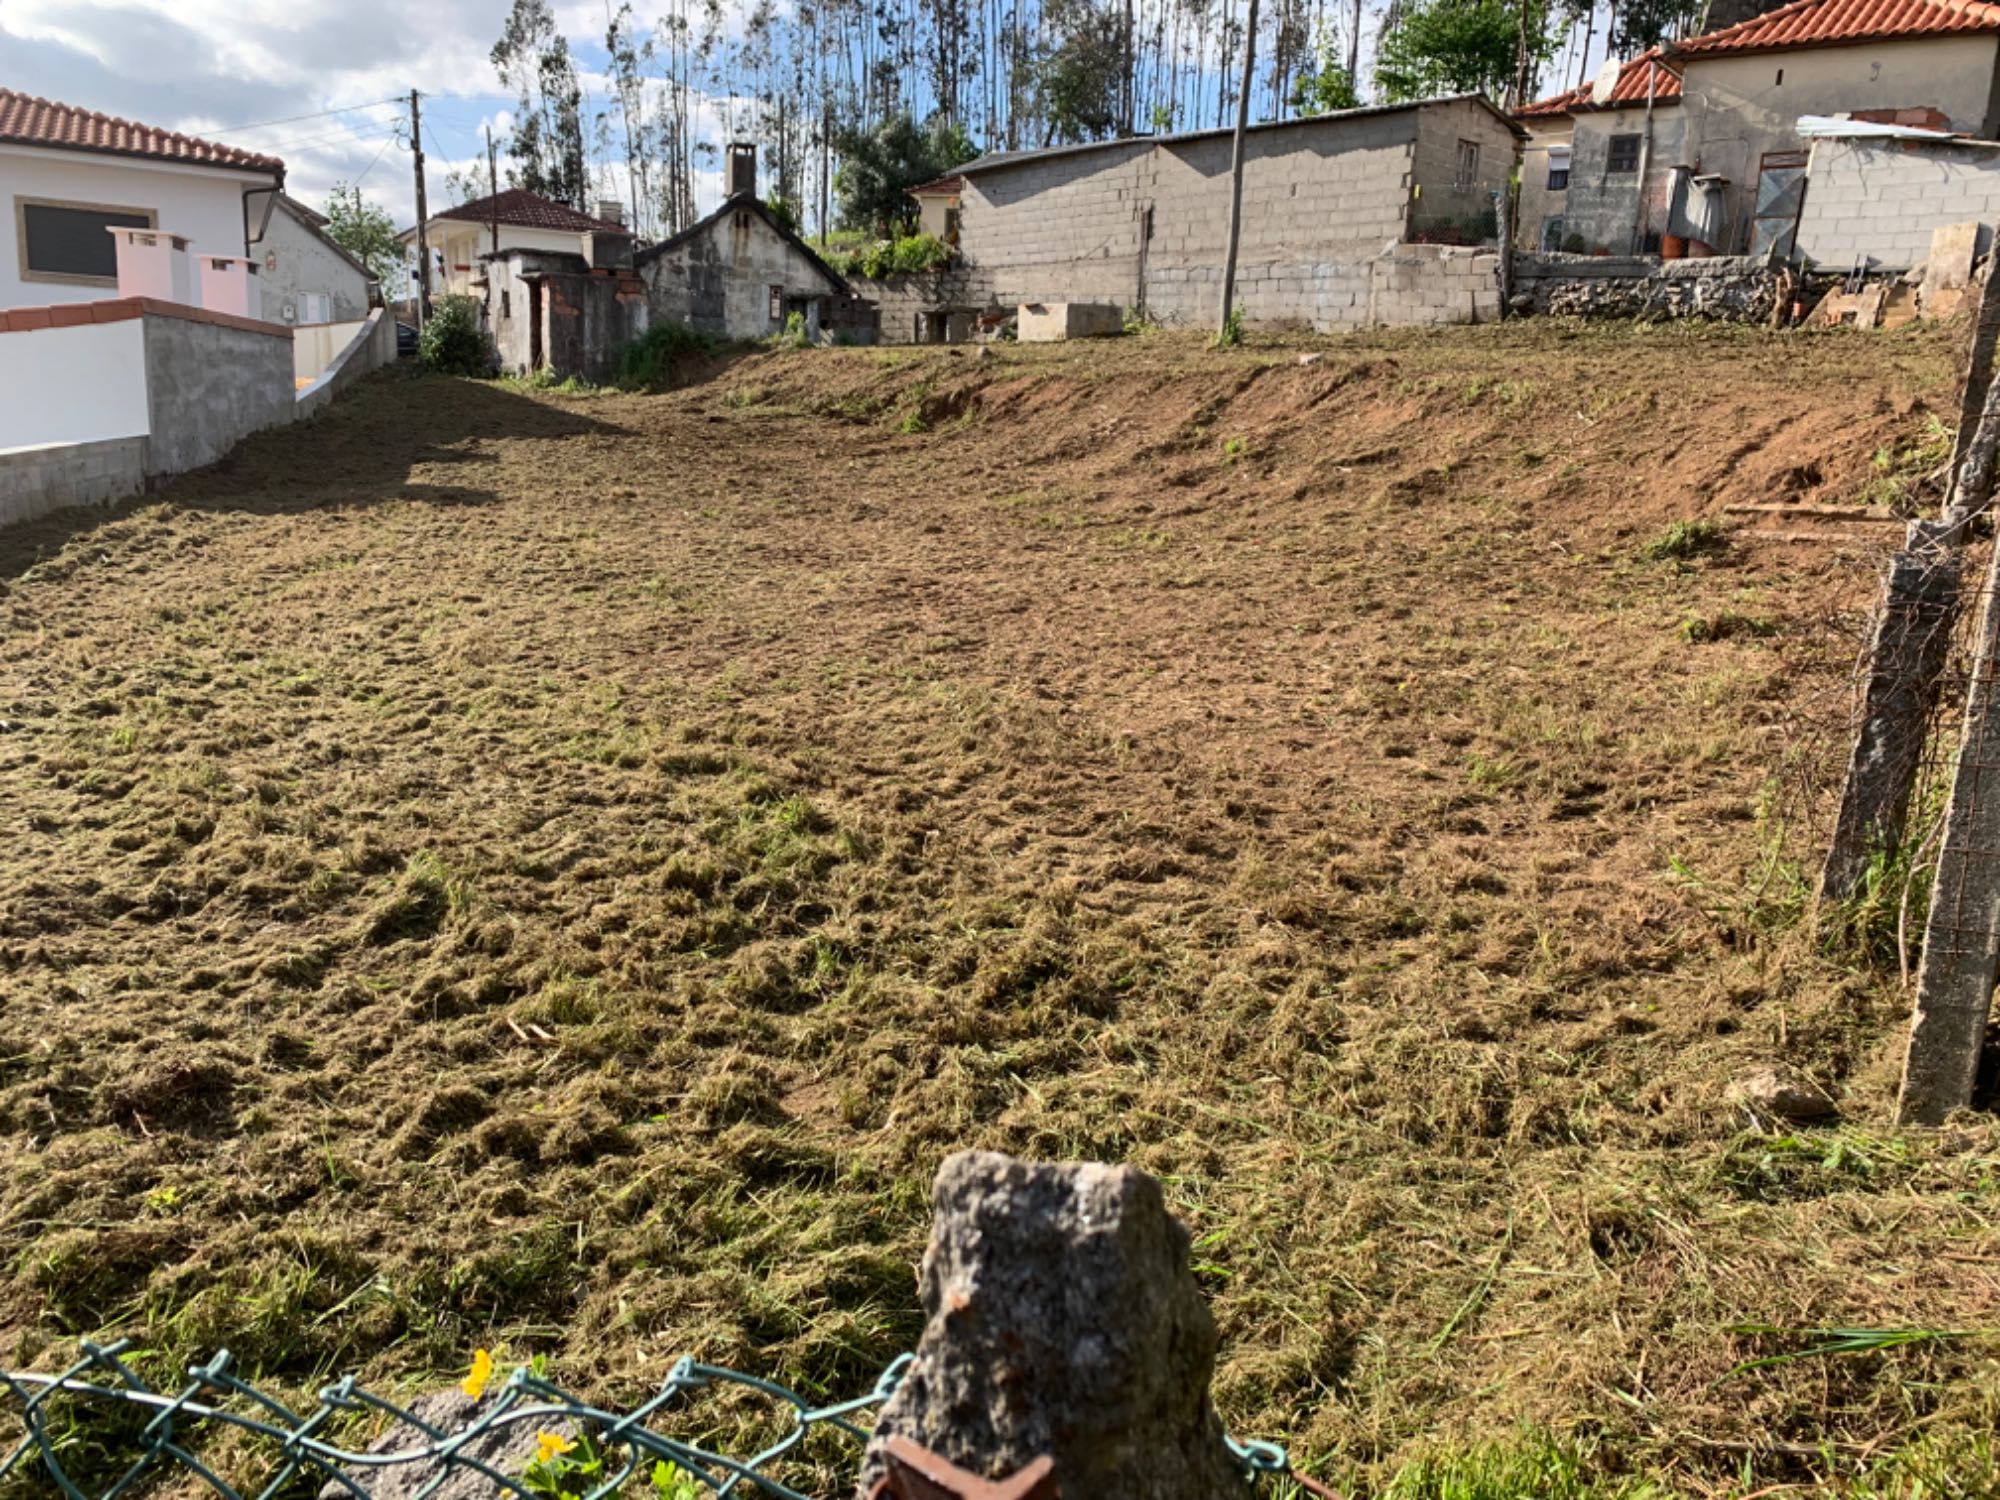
{"x":367,"y":233}
{"x":547,"y":148}
{"x":879,"y":167}
{"x":1453,"y":47}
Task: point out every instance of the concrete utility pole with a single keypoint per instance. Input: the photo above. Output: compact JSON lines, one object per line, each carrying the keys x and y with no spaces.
{"x":493,"y":188}
{"x":1236,"y":167}
{"x":423,"y":235}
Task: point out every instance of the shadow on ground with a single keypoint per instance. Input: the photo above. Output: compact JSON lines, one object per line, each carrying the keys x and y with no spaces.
{"x":361,"y":451}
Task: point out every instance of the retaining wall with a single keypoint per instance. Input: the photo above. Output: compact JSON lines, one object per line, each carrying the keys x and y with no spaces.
{"x":1721,"y":288}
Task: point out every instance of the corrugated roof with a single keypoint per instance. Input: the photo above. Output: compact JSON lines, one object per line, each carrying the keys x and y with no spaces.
{"x":529,"y":210}
{"x":1828,"y":23}
{"x":28,"y":121}
{"x":1631,"y":89}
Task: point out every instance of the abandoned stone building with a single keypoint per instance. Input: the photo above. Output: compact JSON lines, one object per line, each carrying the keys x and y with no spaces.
{"x":1142,"y":223}
{"x":742,"y":272}
{"x":565,"y":312}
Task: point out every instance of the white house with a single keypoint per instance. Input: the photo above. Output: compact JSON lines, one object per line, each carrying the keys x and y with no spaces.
{"x":69,"y":175}
{"x":305,"y":277}
{"x":524,"y":221}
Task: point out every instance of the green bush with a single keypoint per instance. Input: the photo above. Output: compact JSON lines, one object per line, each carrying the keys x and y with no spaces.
{"x":454,"y":340}
{"x":907,"y":256}
{"x":647,"y":363}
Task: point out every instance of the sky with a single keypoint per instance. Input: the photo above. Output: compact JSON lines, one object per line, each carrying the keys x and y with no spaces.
{"x":323,"y":84}
{"x":261,"y":74}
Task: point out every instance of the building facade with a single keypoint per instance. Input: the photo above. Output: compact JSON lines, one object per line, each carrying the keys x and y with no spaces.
{"x":741,"y":273}
{"x":68,"y":176}
{"x":459,"y":238}
{"x":305,"y":278}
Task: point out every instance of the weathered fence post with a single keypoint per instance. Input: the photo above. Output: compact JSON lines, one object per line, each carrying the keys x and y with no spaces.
{"x":1906,"y":658}
{"x":1962,"y":931}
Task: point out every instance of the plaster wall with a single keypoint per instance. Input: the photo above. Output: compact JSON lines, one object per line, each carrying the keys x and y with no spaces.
{"x":203,"y":204}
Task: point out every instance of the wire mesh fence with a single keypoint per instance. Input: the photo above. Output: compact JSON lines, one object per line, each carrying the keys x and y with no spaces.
{"x":528,"y":1438}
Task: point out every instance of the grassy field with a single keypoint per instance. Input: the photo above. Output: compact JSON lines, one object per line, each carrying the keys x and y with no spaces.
{"x":556,"y":873}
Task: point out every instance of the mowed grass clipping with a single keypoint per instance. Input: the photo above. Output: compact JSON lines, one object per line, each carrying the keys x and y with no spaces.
{"x":556,"y":874}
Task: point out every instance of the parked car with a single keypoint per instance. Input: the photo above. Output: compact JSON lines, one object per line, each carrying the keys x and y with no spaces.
{"x":406,"y":341}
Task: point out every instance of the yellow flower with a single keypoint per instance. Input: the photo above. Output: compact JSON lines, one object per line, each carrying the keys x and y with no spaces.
{"x":549,"y":1444}
{"x":474,"y":1384}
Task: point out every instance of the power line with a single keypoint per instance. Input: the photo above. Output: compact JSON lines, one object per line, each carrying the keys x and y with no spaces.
{"x":294,"y":119}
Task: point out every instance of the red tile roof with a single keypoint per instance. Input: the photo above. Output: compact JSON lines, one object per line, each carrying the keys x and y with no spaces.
{"x":28,"y":121}
{"x":530,"y":211}
{"x":1830,"y":23}
{"x":1631,"y":89}
{"x":937,"y":187}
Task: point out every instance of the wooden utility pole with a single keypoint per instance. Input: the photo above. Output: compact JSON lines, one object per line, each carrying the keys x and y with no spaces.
{"x":493,"y":188}
{"x":423,"y":234}
{"x":1236,"y":168}
{"x":825,"y":165}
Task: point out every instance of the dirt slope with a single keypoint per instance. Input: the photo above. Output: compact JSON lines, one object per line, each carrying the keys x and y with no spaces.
{"x":500,"y":868}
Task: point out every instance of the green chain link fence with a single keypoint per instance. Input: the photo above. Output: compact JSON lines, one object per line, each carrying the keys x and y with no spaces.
{"x":611,"y":1453}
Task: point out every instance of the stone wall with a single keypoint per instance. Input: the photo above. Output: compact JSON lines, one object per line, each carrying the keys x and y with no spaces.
{"x":717,"y":277}
{"x":1732,"y":289}
{"x":1880,"y":200}
{"x":210,"y":384}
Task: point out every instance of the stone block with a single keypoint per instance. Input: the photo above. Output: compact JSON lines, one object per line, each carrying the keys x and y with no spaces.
{"x":1050,"y":322}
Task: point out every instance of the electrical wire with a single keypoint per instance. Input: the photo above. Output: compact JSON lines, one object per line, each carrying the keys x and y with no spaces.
{"x":294,"y":119}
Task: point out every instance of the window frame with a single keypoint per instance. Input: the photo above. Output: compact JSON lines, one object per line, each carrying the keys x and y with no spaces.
{"x":1611,"y":155}
{"x":777,"y":289}
{"x":1568,"y":154}
{"x":25,"y":201}
{"x":1465,"y":169}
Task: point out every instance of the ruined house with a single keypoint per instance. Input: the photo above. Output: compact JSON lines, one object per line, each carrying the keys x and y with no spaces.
{"x":741,"y":273}
{"x":1342,"y":214}
{"x":565,"y":312}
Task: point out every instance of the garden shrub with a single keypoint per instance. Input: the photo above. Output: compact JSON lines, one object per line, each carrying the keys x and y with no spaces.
{"x":454,"y":341}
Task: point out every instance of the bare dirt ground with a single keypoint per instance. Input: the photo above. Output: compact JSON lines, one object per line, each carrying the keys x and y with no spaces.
{"x":557,"y":873}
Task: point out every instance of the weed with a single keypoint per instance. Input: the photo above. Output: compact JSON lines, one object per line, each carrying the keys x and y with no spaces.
{"x":1725,"y":625}
{"x":1235,"y":448}
{"x":1230,"y":334}
{"x":1684,"y":541}
{"x":652,"y":361}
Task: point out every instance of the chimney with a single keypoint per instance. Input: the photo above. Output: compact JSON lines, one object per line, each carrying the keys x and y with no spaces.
{"x":610,"y":210}
{"x":742,"y":168}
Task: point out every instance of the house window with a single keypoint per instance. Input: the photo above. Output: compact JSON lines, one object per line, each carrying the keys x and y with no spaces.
{"x":506,"y":302}
{"x":1552,"y":233}
{"x":67,"y":241}
{"x":1467,"y":174}
{"x":1624,"y":154}
{"x":777,"y":304}
{"x":1558,"y":168}
{"x":950,"y":225}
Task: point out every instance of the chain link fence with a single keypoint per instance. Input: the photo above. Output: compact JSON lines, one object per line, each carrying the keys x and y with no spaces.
{"x":581,"y":1451}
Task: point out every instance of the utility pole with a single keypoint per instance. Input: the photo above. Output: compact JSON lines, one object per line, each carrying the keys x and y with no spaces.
{"x":1236,"y":167}
{"x":825,"y":165}
{"x":423,"y":235}
{"x":493,"y":188}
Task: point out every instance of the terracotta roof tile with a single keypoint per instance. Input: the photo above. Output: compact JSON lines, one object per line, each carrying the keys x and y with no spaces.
{"x":1631,"y":89}
{"x":1823,"y":23}
{"x":28,"y":121}
{"x":951,"y":182}
{"x":529,"y":210}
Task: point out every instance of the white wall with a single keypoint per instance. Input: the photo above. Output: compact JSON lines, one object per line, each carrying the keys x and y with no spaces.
{"x":314,"y":346}
{"x":462,"y":244}
{"x":203,"y":203}
{"x":73,"y":385}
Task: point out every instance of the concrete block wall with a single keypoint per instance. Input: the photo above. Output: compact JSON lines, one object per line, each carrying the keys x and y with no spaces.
{"x":35,"y":481}
{"x":1880,"y":201}
{"x":1437,"y":194}
{"x":209,"y":385}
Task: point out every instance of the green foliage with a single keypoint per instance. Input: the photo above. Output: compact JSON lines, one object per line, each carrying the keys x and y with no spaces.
{"x":368,"y":234}
{"x":879,"y":167}
{"x":454,"y":340}
{"x":794,"y":335}
{"x":1543,"y":1469}
{"x":1455,"y":47}
{"x":904,"y":256}
{"x":672,"y":1482}
{"x":1324,"y":85}
{"x":533,"y":59}
{"x":1685,"y":540}
{"x":1230,"y":335}
{"x":647,"y":363}
{"x":784,"y":210}
{"x":1725,"y":625}
{"x":1079,"y":69}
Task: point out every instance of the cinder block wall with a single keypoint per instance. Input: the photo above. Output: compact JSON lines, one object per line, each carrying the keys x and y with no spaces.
{"x":1144,"y":224}
{"x":209,"y":385}
{"x":1073,"y":228}
{"x":1881,"y":200}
